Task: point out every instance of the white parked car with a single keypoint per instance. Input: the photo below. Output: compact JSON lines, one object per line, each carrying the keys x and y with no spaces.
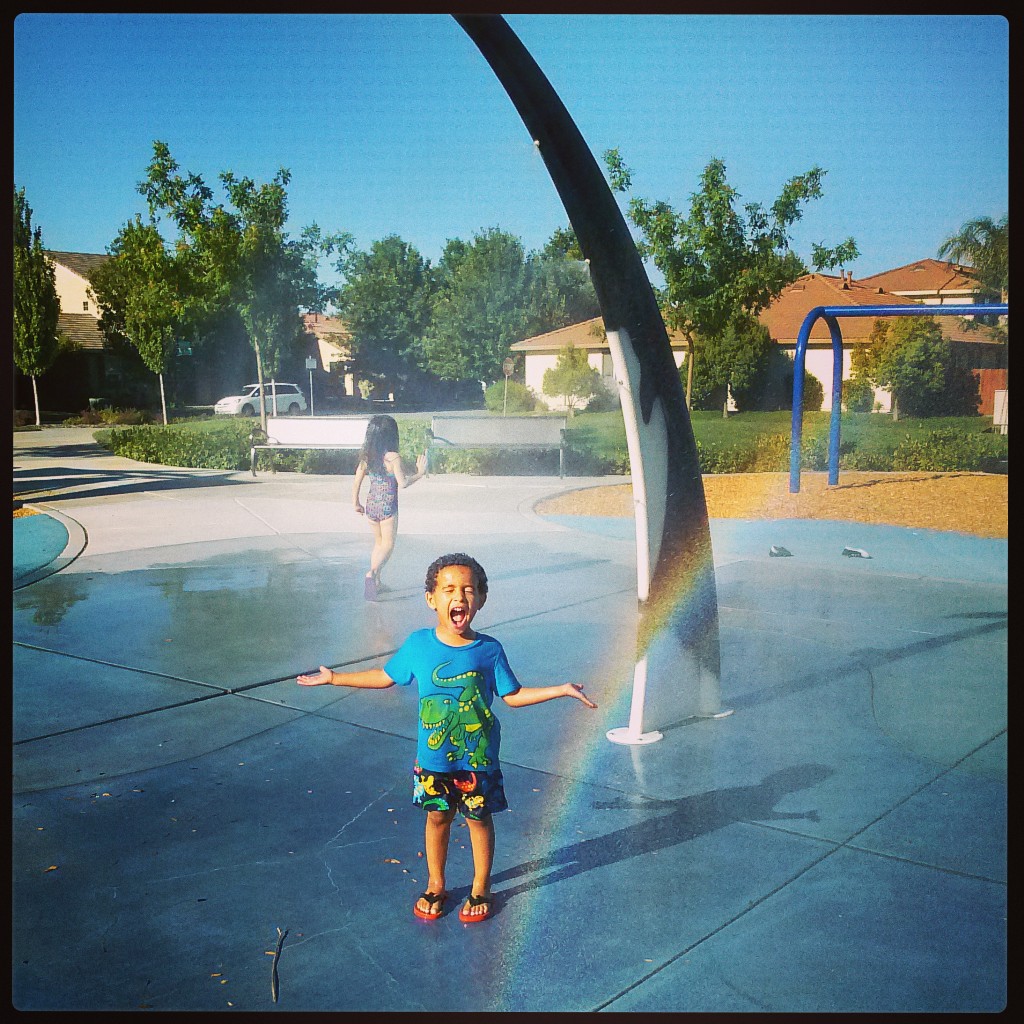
{"x":289,"y":400}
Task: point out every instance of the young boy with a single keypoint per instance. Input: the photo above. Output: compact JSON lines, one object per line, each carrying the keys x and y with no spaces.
{"x":458,"y":672}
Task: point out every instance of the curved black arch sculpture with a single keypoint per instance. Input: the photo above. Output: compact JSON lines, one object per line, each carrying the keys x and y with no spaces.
{"x":677,"y":596}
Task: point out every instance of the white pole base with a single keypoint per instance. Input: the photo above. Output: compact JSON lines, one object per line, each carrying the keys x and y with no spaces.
{"x":627,"y":737}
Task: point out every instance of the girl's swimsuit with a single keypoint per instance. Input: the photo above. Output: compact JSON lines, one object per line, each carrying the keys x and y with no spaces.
{"x":382,"y":499}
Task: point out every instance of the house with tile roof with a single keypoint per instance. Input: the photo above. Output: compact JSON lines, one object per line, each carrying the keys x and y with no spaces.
{"x":541,"y":354}
{"x":933,"y":282}
{"x":937,"y":283}
{"x":81,"y":374}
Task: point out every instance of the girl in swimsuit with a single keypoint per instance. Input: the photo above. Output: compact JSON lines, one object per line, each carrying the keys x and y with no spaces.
{"x":380,"y":463}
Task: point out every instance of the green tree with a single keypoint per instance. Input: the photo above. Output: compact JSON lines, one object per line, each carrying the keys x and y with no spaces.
{"x":735,"y":362}
{"x":481,"y":307}
{"x":36,"y":306}
{"x":911,"y":359}
{"x":139,"y":291}
{"x":719,"y":263}
{"x":572,"y":378}
{"x":983,"y":247}
{"x":386,"y":303}
{"x":243,"y":258}
{"x":559,"y":291}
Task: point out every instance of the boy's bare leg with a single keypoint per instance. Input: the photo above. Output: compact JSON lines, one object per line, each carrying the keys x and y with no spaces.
{"x":438,"y":832}
{"x":481,"y":836}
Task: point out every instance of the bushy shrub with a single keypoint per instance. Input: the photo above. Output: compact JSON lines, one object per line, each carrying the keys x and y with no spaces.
{"x":227,"y":448}
{"x":520,"y":397}
{"x":814,"y":393}
{"x":413,"y":439}
{"x":947,"y":451}
{"x":858,"y":395}
{"x":109,"y":417}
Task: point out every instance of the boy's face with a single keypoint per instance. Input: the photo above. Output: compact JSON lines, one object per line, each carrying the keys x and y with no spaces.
{"x":456,"y":600}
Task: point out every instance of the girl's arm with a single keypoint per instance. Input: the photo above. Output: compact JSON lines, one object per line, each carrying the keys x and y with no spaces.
{"x":357,"y":483}
{"x":394,"y":462}
{"x":368,"y":679}
{"x":527,"y":695}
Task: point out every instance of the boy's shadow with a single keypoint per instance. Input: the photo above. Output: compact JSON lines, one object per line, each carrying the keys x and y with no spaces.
{"x":688,"y":817}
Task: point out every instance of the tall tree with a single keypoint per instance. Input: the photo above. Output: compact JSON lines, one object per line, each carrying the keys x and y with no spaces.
{"x":560,"y":292}
{"x":718,"y":263}
{"x":734,"y":362}
{"x":385,"y":300}
{"x":36,"y":306}
{"x":983,"y":246}
{"x":910,"y":358}
{"x":244,"y":258}
{"x":139,"y":291}
{"x":481,"y":307}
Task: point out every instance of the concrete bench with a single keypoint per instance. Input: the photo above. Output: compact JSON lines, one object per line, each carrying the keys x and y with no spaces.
{"x":328,"y":433}
{"x":492,"y":431}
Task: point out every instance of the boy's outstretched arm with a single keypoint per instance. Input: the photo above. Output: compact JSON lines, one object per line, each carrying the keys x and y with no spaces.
{"x":527,"y":695}
{"x":371,"y":678}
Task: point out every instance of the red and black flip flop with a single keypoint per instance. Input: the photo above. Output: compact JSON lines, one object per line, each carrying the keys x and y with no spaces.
{"x":433,"y":899}
{"x":476,"y":901}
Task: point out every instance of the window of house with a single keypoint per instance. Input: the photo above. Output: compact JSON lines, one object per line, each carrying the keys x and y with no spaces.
{"x":85,"y":306}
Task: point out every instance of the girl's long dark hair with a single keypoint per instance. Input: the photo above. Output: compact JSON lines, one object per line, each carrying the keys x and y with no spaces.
{"x":381,"y":438}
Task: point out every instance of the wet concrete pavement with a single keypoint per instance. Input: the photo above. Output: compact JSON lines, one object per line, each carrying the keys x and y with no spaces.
{"x":836,"y":844}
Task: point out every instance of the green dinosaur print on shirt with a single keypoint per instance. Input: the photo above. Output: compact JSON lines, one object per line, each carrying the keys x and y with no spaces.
{"x":465,"y":721}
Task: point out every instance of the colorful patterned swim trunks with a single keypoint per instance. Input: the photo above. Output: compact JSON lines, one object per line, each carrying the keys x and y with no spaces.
{"x":475,"y":794}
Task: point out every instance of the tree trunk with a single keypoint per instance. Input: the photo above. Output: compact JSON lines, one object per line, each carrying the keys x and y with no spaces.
{"x":689,"y":371}
{"x":259,"y":379}
{"x":35,"y":395}
{"x":895,"y":409}
{"x":163,"y":400}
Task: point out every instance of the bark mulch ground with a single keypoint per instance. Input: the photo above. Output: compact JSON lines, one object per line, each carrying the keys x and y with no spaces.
{"x":974,"y":503}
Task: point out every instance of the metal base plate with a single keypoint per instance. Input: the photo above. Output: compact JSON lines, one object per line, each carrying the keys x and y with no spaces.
{"x":628,"y":738}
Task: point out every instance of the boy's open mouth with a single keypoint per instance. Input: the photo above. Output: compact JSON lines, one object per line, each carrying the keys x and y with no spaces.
{"x":459,"y":616}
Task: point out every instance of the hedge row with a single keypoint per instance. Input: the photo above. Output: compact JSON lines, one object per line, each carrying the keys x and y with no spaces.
{"x":590,"y":452}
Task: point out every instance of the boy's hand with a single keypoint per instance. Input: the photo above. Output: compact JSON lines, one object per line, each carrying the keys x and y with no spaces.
{"x":421,"y":463}
{"x":321,"y":678}
{"x":576,"y":690}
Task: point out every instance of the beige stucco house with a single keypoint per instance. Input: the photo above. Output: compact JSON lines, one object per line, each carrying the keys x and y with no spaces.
{"x":930,"y":282}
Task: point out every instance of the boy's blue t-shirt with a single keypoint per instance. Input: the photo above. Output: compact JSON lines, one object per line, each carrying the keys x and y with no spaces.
{"x":457,"y":729}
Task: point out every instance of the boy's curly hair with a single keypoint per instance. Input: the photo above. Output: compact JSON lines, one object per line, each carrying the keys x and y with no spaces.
{"x":458,"y":558}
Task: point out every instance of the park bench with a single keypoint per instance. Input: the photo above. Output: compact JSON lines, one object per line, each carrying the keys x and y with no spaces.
{"x":484,"y":430}
{"x":328,"y":433}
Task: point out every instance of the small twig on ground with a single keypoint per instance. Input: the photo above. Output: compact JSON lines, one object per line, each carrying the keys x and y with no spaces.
{"x":277,"y":956}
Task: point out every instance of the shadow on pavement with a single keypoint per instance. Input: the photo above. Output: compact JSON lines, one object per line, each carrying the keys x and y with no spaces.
{"x":687,"y":818}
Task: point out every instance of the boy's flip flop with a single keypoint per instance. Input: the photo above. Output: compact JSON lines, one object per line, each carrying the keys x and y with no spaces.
{"x":435,"y":900}
{"x":475,"y":901}
{"x":370,"y":588}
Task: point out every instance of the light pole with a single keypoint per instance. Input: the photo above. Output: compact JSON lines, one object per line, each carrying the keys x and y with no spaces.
{"x":507,"y":366}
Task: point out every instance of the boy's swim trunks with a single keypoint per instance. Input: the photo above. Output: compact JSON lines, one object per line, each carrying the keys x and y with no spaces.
{"x":475,"y":794}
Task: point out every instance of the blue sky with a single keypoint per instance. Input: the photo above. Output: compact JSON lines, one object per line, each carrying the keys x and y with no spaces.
{"x":394,"y":124}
